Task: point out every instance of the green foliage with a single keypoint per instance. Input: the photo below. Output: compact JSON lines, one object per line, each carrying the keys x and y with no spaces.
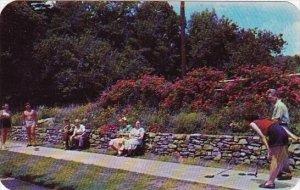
{"x":44,"y":112}
{"x":189,"y":122}
{"x":159,"y":118}
{"x":17,"y":119}
{"x":220,"y":43}
{"x":105,"y":116}
{"x":80,"y":112}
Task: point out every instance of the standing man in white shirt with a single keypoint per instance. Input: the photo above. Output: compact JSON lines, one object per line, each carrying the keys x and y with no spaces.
{"x":281,"y":117}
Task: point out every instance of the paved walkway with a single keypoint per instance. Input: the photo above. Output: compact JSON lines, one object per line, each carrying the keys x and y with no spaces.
{"x":178,"y":171}
{"x":15,"y":184}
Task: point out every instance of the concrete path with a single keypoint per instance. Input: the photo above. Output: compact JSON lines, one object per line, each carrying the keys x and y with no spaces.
{"x":178,"y":171}
{"x":15,"y":184}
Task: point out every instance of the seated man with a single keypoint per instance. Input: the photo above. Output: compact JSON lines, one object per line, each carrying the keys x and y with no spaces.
{"x":123,"y":133}
{"x":68,"y":131}
{"x":136,"y":137}
{"x":78,"y":134}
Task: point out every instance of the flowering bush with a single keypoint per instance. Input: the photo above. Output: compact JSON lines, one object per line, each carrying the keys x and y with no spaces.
{"x":107,"y":129}
{"x":154,"y":128}
{"x":196,"y":90}
{"x":147,"y":89}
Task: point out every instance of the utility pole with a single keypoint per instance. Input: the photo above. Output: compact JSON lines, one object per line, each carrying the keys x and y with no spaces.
{"x":182,"y":39}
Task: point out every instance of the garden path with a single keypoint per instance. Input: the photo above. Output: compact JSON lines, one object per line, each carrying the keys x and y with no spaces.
{"x":177,"y":171}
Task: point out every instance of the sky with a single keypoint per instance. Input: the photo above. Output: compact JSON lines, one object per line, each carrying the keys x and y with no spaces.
{"x":277,"y":17}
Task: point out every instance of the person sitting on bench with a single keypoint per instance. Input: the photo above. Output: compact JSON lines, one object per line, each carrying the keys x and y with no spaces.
{"x":68,"y":131}
{"x":78,"y":134}
{"x":136,"y":137}
{"x":118,"y":143}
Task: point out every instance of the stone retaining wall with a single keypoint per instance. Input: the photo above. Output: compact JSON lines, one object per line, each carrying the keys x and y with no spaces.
{"x":242,"y":149}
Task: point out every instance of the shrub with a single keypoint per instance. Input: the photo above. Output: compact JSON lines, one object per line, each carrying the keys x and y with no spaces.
{"x":189,"y":122}
{"x":17,"y":119}
{"x":154,"y":128}
{"x":196,"y":90}
{"x":159,"y":118}
{"x":104,"y":116}
{"x":107,"y":129}
{"x":44,"y":112}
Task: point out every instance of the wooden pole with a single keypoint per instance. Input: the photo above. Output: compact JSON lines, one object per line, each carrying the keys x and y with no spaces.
{"x":182,"y":38}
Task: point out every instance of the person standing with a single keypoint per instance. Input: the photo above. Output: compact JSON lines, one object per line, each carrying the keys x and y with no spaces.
{"x":276,"y":146}
{"x":30,"y":121}
{"x":280,"y":113}
{"x":5,"y":124}
{"x":281,"y":117}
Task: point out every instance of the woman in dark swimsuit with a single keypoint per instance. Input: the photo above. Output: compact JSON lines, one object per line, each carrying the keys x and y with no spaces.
{"x":5,"y":124}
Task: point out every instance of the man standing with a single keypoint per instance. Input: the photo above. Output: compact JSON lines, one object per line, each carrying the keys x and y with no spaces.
{"x":30,"y":120}
{"x":281,"y":116}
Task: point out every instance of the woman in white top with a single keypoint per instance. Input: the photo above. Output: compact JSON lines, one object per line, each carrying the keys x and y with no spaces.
{"x":5,"y":123}
{"x":136,"y":136}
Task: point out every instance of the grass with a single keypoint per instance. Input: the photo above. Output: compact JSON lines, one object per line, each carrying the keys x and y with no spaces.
{"x":61,"y":174}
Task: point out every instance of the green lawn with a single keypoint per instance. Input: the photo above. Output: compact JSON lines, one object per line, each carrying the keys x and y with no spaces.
{"x":60,"y":174}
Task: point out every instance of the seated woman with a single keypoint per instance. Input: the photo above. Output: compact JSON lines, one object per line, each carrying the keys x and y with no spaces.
{"x":136,"y":136}
{"x":276,"y":145}
{"x":118,"y":143}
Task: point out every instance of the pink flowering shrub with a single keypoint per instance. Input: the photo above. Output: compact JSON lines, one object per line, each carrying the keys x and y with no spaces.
{"x":107,"y":129}
{"x":196,"y":90}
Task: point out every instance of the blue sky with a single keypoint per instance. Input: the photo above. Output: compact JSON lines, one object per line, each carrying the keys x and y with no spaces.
{"x":277,"y":17}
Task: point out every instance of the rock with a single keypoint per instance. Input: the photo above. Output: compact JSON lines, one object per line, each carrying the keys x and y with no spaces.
{"x":236,"y":154}
{"x":219,"y":144}
{"x":180,"y":136}
{"x":198,"y":147}
{"x":243,"y":154}
{"x":252,"y":158}
{"x":218,"y":157}
{"x":247,"y":161}
{"x":196,"y":142}
{"x":172,"y":146}
{"x":242,"y":141}
{"x":292,"y":162}
{"x":297,"y":152}
{"x":208,"y":147}
{"x":294,"y":147}
{"x":195,"y":135}
{"x":236,"y":147}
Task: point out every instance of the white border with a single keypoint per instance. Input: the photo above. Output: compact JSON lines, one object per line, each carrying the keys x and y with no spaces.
{"x":296,"y":3}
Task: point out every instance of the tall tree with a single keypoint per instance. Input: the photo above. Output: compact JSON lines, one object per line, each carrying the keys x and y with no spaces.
{"x":21,"y":27}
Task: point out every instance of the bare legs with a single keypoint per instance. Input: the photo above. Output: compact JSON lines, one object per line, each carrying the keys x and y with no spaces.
{"x":31,"y":135}
{"x":279,"y":161}
{"x":3,"y":137}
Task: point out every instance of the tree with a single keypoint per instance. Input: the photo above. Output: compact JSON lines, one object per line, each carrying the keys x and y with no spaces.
{"x":157,"y":37}
{"x":220,"y":43}
{"x":21,"y":27}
